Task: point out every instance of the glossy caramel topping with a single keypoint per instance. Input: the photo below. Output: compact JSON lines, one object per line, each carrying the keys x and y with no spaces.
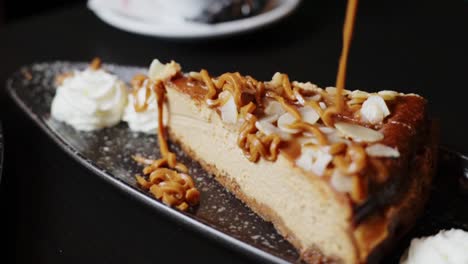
{"x":167,"y":179}
{"x":251,"y":97}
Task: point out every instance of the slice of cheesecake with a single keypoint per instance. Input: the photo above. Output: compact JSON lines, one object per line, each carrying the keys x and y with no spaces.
{"x":341,"y":186}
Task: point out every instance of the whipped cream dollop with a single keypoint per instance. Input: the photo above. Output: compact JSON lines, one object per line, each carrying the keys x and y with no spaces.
{"x":145,"y":121}
{"x":447,"y":247}
{"x":89,"y":100}
{"x":146,"y":118}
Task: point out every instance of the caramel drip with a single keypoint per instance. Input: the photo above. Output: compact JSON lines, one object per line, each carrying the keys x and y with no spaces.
{"x":232,"y":83}
{"x":328,"y":114}
{"x":259,"y":89}
{"x":286,"y":90}
{"x":167,"y":180}
{"x":322,"y":139}
{"x":138,"y":82}
{"x":95,"y":64}
{"x":347,"y":36}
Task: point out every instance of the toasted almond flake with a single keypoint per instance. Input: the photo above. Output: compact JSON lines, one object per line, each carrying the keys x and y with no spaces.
{"x":337,"y":137}
{"x":388,"y":95}
{"x":195,"y":75}
{"x":359,"y":133}
{"x":359,"y":94}
{"x":314,"y":160}
{"x":309,"y":115}
{"x":228,"y":111}
{"x":285,"y":120}
{"x":330,"y":90}
{"x":270,"y":118}
{"x":327,"y":130}
{"x":355,"y":101}
{"x":274,"y":108}
{"x":333,"y":90}
{"x":308,"y":139}
{"x":276,"y":80}
{"x":374,"y":110}
{"x":341,"y":183}
{"x":308,"y":86}
{"x":322,"y":105}
{"x":163,"y":72}
{"x":268,"y":129}
{"x":382,"y":151}
{"x":315,"y":98}
{"x":300,"y":99}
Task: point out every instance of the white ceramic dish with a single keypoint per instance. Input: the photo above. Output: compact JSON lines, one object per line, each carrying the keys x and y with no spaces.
{"x":190,"y":30}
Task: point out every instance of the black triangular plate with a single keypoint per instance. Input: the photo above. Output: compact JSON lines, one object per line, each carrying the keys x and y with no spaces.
{"x":220,"y":215}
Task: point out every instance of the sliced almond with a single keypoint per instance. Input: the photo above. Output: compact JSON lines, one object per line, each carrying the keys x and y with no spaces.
{"x":268,"y":129}
{"x":337,"y":137}
{"x":274,"y":108}
{"x":270,"y":118}
{"x":359,"y":94}
{"x":359,"y":133}
{"x":333,"y":90}
{"x":327,"y":130}
{"x":276,"y":80}
{"x":315,"y":98}
{"x":341,"y":183}
{"x":309,"y":115}
{"x":195,"y":75}
{"x":228,"y":111}
{"x":330,"y":90}
{"x":374,"y":110}
{"x":388,"y":95}
{"x":308,"y":139}
{"x":308,"y":86}
{"x":300,"y":99}
{"x":314,"y":160}
{"x":355,"y":101}
{"x":382,"y":151}
{"x":163,"y":72}
{"x":322,"y":105}
{"x":285,"y":120}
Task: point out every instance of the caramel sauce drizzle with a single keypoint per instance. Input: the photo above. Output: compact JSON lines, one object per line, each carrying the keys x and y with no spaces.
{"x":95,"y":64}
{"x":166,"y":179}
{"x":347,"y":36}
{"x":349,"y":160}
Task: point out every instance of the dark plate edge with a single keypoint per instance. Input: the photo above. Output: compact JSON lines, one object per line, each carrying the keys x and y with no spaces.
{"x":187,"y":221}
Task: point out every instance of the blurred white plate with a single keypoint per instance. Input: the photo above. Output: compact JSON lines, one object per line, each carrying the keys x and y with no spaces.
{"x":187,"y":29}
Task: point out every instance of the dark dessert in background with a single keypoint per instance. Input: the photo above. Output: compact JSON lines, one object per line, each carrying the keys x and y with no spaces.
{"x":227,"y":10}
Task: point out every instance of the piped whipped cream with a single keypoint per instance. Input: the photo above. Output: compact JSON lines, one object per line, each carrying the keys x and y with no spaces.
{"x":447,"y":247}
{"x":145,"y":121}
{"x":90,"y":100}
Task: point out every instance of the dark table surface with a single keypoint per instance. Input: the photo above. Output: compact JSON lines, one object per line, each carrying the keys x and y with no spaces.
{"x":55,"y":211}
